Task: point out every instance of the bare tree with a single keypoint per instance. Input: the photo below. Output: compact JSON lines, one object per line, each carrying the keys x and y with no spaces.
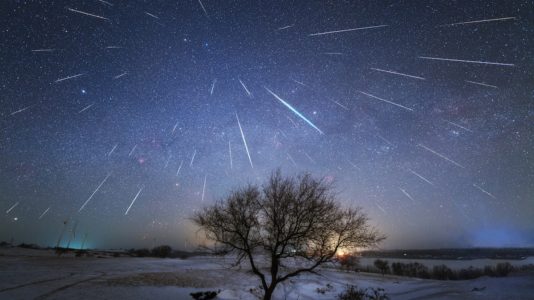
{"x":288,"y":220}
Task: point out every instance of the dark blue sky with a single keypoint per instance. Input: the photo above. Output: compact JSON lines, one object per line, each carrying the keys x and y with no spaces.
{"x":427,"y":125}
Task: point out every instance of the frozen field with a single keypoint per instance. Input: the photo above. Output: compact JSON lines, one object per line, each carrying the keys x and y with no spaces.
{"x":38,"y":274}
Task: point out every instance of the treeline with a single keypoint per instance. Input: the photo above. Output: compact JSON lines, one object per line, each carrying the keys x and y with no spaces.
{"x":163,"y":251}
{"x":456,"y":254}
{"x":441,"y":272}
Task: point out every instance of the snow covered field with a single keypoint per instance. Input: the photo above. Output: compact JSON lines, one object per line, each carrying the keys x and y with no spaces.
{"x":38,"y":274}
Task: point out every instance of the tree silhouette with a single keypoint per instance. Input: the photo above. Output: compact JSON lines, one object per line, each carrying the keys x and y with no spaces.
{"x":288,"y":227}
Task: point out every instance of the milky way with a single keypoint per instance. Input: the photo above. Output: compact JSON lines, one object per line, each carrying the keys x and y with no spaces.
{"x":124,"y":117}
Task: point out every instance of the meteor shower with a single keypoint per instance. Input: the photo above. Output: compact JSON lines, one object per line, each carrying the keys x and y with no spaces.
{"x":284,"y":149}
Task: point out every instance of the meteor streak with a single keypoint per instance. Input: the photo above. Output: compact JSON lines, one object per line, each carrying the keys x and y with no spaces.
{"x":167,"y":162}
{"x":105,"y":2}
{"x":44,"y":213}
{"x":174,"y":128}
{"x":407,"y":195}
{"x":381,"y":208}
{"x":11,"y":208}
{"x":67,"y":78}
{"x":120,"y":75}
{"x":299,"y":82}
{"x":203,"y":8}
{"x":132,"y":151}
{"x":245,"y":87}
{"x":479,"y":21}
{"x":204,"y":188}
{"x":244,"y":141}
{"x":309,"y":157}
{"x":86,"y":13}
{"x":397,"y":73}
{"x":230,"y":154}
{"x":420,"y":177}
{"x":340,"y":105}
{"x":291,"y":159}
{"x":113,"y":149}
{"x":94,"y":192}
{"x":179,"y":168}
{"x":293,"y":110}
{"x":86,"y":108}
{"x":193,"y":158}
{"x":458,"y":125}
{"x":484,"y":191}
{"x":346,"y":30}
{"x":44,"y":50}
{"x":20,"y":110}
{"x":153,"y":16}
{"x":292,"y":122}
{"x":286,"y":27}
{"x":468,"y":61}
{"x":353,"y":165}
{"x":213,"y":86}
{"x":482,"y":84}
{"x":442,"y":156}
{"x":135,"y":198}
{"x":384,"y":139}
{"x":384,"y":100}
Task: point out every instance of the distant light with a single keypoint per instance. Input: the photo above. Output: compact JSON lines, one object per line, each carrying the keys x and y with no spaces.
{"x":84,"y":91}
{"x":15,"y":219}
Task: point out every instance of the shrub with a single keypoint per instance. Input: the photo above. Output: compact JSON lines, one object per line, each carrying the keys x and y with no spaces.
{"x":397,"y":268}
{"x":141,"y":252}
{"x":382,"y":265}
{"x":349,"y":262}
{"x":503,"y":269}
{"x":416,"y":269}
{"x":204,"y":295}
{"x":354,"y":293}
{"x":162,"y":251}
{"x":325,"y":289}
{"x":29,"y":246}
{"x":489,"y":271}
{"x":442,"y":272}
{"x":470,"y":273}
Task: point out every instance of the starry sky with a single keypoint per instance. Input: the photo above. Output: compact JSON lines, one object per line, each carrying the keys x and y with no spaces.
{"x":124,"y":117}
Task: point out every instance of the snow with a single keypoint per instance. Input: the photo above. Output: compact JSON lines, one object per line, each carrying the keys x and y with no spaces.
{"x":29,"y":274}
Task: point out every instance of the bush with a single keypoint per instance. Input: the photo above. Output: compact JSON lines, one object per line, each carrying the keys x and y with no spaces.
{"x":382,"y":265}
{"x":204,"y":295}
{"x":354,"y":293}
{"x":29,"y":246}
{"x":162,"y":251}
{"x":397,"y":268}
{"x":141,"y":252}
{"x":470,"y":273}
{"x":349,"y":262}
{"x":503,"y":269}
{"x":442,"y":272}
{"x":325,"y":289}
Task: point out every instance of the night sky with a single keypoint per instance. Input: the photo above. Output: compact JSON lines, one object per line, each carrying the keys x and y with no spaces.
{"x":421,"y":112}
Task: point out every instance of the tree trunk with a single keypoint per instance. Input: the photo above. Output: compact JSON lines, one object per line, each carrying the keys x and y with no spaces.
{"x":269,"y":292}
